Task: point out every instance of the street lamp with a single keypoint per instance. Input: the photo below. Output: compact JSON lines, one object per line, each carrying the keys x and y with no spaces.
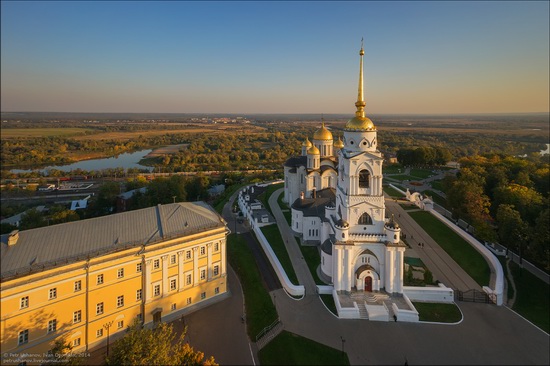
{"x":343,"y":341}
{"x":107,"y":326}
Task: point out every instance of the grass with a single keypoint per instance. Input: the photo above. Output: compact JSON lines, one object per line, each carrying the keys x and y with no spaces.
{"x":260,"y":311}
{"x":276,"y":241}
{"x":285,"y":209}
{"x":533,"y":297}
{"x":264,"y":197}
{"x":291,"y":349}
{"x":313,"y":260}
{"x":222,"y":199}
{"x":403,"y":177}
{"x":11,"y":133}
{"x":392,"y":192}
{"x":328,"y":300}
{"x":408,"y":206}
{"x":436,"y":184}
{"x":421,"y":173}
{"x":502,"y":261}
{"x":462,"y":252}
{"x":393,"y":169}
{"x":436,"y":198}
{"x":437,"y":312}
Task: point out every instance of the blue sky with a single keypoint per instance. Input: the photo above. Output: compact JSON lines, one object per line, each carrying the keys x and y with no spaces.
{"x":274,"y":57}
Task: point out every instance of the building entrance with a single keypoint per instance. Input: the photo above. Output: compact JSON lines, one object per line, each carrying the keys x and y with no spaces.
{"x":368,"y":283}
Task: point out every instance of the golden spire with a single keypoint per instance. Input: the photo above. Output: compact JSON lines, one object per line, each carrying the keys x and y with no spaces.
{"x":360,"y":104}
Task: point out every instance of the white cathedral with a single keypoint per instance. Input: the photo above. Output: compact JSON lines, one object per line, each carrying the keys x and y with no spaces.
{"x":335,"y":193}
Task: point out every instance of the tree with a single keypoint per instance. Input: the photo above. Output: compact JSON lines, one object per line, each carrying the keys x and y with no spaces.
{"x":61,"y":354}
{"x":511,"y":228}
{"x":539,"y":247}
{"x":428,"y":277}
{"x":32,"y":219}
{"x":106,"y":200}
{"x":144,"y":346}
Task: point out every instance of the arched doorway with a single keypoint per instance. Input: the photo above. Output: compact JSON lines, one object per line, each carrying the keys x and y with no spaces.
{"x":368,"y":283}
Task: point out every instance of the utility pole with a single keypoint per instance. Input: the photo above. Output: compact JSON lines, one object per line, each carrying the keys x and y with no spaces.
{"x":107,"y":326}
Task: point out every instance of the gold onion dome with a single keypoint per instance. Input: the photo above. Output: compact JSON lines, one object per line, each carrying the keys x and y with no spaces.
{"x":313,"y":151}
{"x":322,"y":133}
{"x":307,"y":143}
{"x":360,"y":122}
{"x":339,"y":144}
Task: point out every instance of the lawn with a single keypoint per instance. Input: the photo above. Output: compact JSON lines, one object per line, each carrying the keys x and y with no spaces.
{"x":264,"y":197}
{"x":533,"y":297}
{"x":392,"y":169}
{"x":392,"y":192}
{"x":436,"y":312}
{"x":408,"y":206}
{"x":222,"y":199}
{"x":285,"y":209}
{"x":436,"y":184}
{"x":403,"y":177}
{"x":328,"y":300}
{"x":260,"y":311}
{"x":291,"y":349}
{"x":272,"y":233}
{"x":313,"y":260}
{"x":461,"y":251}
{"x":421,"y":173}
{"x":10,"y":133}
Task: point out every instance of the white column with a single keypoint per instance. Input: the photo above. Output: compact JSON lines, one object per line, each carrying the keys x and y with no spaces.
{"x":348,"y":269}
{"x":387,"y":280}
{"x":147,"y":285}
{"x":180,"y":270}
{"x":209,"y":261}
{"x":195,"y":266}
{"x":222,"y":264}
{"x":337,"y":269}
{"x":400,"y":271}
{"x":164,"y":275}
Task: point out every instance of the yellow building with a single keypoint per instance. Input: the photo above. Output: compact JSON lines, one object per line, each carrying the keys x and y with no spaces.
{"x":85,"y":280}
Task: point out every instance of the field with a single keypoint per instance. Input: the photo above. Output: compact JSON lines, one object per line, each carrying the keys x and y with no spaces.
{"x":12,"y":133}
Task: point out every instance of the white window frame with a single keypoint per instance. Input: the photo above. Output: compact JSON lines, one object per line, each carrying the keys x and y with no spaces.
{"x":99,"y":333}
{"x":138,"y":267}
{"x":52,"y":325}
{"x":120,"y":324}
{"x":23,"y":337}
{"x":216,"y":270}
{"x":120,"y":273}
{"x":120,"y":301}
{"x":202,"y":275}
{"x":77,"y":316}
{"x":188,"y":254}
{"x":203,"y":295}
{"x":99,"y":308}
{"x":203,"y":250}
{"x":156,"y":263}
{"x":99,"y":279}
{"x":173,"y":284}
{"x":188,"y":279}
{"x":52,"y":293}
{"x":76,"y":342}
{"x":24,"y":302}
{"x":77,"y":286}
{"x":139,"y":294}
{"x":173,"y":259}
{"x":156,"y":289}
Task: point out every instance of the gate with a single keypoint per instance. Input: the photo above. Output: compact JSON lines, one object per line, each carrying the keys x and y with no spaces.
{"x":473,"y":295}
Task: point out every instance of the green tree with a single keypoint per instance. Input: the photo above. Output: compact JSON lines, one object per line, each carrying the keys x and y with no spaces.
{"x":32,"y":219}
{"x":511,"y":228}
{"x":428,"y":277}
{"x":61,"y":354}
{"x":144,"y":346}
{"x":539,"y":247}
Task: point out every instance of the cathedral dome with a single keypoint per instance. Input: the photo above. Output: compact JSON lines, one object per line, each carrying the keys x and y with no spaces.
{"x":359,"y":123}
{"x":313,"y":151}
{"x":307,"y":143}
{"x":322,"y":134}
{"x":339,"y":144}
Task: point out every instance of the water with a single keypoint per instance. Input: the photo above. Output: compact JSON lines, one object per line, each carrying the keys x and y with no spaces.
{"x":126,"y":160}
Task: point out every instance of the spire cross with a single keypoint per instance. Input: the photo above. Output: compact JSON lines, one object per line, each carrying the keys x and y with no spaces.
{"x":360,"y":104}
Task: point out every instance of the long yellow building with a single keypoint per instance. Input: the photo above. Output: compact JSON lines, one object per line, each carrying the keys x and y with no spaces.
{"x":85,"y":280}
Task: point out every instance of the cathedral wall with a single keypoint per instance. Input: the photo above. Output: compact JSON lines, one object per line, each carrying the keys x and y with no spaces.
{"x":311,"y":228}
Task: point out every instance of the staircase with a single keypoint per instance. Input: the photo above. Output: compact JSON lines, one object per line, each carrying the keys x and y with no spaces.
{"x":268,"y":334}
{"x":363,"y":314}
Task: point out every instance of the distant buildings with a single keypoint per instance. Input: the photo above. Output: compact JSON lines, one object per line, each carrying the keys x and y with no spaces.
{"x":85,"y":280}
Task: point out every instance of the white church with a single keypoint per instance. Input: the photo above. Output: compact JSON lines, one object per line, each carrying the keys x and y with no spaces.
{"x":335,"y":193}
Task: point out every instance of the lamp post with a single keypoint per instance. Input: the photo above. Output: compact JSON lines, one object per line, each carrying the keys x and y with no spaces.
{"x":107,"y":326}
{"x":343,"y":341}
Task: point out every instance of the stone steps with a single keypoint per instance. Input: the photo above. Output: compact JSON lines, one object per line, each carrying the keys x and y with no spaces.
{"x":272,"y":333}
{"x":363,"y":314}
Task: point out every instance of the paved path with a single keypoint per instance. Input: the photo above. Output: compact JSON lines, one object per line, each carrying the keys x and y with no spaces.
{"x":488,"y":335}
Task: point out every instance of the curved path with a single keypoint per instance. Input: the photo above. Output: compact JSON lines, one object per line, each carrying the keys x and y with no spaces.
{"x":489,"y":335}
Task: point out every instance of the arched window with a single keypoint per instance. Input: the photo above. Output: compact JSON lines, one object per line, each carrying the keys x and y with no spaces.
{"x":365,"y":219}
{"x":364,"y":178}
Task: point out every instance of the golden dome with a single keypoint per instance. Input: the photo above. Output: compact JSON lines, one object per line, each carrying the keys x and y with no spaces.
{"x":313,"y":151}
{"x":360,"y":123}
{"x":307,"y":143}
{"x":339,"y":144}
{"x":322,"y":134}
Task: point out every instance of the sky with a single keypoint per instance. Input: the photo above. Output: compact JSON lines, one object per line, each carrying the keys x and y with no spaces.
{"x":275,"y":57}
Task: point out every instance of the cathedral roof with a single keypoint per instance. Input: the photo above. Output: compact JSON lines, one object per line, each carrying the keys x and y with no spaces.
{"x":327,"y":246}
{"x":339,"y":144}
{"x":313,"y":151}
{"x":322,"y":134}
{"x":316,"y":206}
{"x":296,"y":161}
{"x":307,"y":143}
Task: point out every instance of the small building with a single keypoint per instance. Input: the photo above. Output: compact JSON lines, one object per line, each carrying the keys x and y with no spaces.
{"x":123,"y":198}
{"x":252,"y":209}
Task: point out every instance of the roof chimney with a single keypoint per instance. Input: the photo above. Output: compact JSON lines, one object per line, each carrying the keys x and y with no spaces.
{"x":12,"y":238}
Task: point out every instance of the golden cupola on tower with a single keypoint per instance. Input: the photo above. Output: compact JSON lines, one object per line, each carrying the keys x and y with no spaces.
{"x":322,"y":134}
{"x":307,"y":143}
{"x":313,"y":151}
{"x":360,"y":122}
{"x":339,"y":144}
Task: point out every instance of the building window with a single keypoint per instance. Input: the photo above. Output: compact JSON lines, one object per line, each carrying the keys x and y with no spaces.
{"x":120,"y":324}
{"x":173,"y":284}
{"x":203,"y":295}
{"x":173,"y":259}
{"x":53,"y":293}
{"x":156,"y":290}
{"x":156,"y":264}
{"x":203,"y":250}
{"x":365,"y":219}
{"x":203,"y":274}
{"x":188,"y":301}
{"x":77,"y":316}
{"x":99,"y":333}
{"x":188,"y":279}
{"x":138,"y":267}
{"x":99,"y":308}
{"x":24,"y":302}
{"x":188,"y":254}
{"x":120,"y":301}
{"x":138,"y":294}
{"x":173,"y":307}
{"x":77,"y":286}
{"x":23,"y":337}
{"x":120,"y":273}
{"x":99,"y":279}
{"x":52,"y":325}
{"x":216,"y":270}
{"x":76,"y":342}
{"x":364,"y":179}
{"x":216,"y":247}
{"x":217,"y":290}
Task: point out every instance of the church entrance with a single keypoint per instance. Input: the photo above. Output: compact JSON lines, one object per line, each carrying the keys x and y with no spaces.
{"x":368,"y":283}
